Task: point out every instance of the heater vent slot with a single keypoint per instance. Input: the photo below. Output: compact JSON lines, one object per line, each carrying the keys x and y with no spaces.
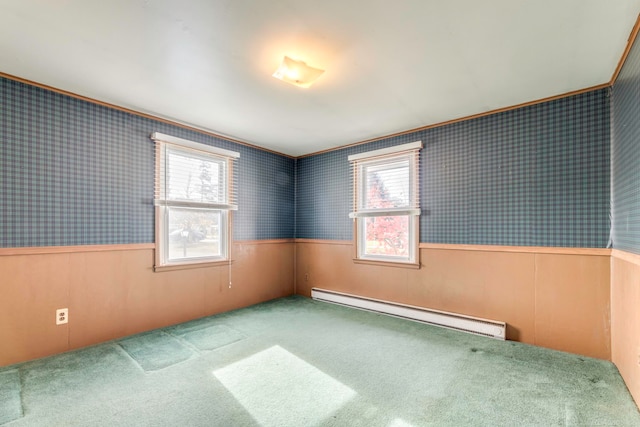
{"x":459,"y":322}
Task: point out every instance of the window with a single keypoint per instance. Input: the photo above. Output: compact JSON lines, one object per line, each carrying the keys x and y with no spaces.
{"x":194,"y":198}
{"x":386,"y":204}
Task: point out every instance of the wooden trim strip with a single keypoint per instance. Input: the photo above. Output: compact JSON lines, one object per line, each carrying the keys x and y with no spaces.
{"x":237,"y":141}
{"x":462,"y":119}
{"x":633,"y":35}
{"x":626,"y":256}
{"x":325,"y":242}
{"x":192,"y":265}
{"x":486,"y":248}
{"x":459,"y":247}
{"x":138,"y":113}
{"x":386,"y":263}
{"x":38,"y":250}
{"x":519,"y":249}
{"x":263,"y":242}
{"x":623,"y":58}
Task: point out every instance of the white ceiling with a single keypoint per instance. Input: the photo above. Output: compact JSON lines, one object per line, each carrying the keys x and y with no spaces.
{"x":390,"y":66}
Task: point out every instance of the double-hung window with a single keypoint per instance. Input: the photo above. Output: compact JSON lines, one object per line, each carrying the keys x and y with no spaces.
{"x":194,"y":198}
{"x":386,"y":205}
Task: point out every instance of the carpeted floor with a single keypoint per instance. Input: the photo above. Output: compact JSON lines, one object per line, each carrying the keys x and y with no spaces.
{"x":297,"y":362}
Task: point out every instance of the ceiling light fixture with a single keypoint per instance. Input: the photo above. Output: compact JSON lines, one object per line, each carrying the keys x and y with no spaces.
{"x":297,"y":72}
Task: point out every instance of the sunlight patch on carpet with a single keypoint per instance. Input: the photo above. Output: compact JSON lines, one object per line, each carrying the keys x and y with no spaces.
{"x":279,"y":389}
{"x":211,"y":337}
{"x":400,"y":423}
{"x":155,"y":350}
{"x":10,"y":401}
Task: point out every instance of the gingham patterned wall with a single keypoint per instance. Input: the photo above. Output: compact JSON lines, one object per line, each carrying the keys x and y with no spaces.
{"x":76,"y":173}
{"x":534,"y":176}
{"x":625,"y":155}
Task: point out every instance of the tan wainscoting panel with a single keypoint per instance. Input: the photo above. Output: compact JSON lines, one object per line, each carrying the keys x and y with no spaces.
{"x":535,"y":293}
{"x":492,"y":285}
{"x":31,"y":290}
{"x":111,"y":294}
{"x":573,"y":304}
{"x":625,"y":318}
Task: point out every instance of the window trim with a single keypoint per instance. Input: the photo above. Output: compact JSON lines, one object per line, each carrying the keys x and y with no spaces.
{"x":359,"y":215}
{"x":391,"y":263}
{"x":162,"y":204}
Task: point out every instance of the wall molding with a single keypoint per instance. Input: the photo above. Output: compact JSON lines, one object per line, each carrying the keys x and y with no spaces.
{"x":263,"y":242}
{"x":519,"y":249}
{"x":486,"y":248}
{"x":626,"y":256}
{"x":627,"y":49}
{"x":632,"y":37}
{"x":341,"y":147}
{"x":614,"y":77}
{"x":326,"y":242}
{"x":465,"y":118}
{"x":139,"y":113}
{"x":38,"y":250}
{"x":42,"y":250}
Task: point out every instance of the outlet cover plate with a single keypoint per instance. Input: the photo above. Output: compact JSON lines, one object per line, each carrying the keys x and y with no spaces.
{"x":62,"y":316}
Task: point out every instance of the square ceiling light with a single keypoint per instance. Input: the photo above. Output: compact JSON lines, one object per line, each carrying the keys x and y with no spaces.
{"x":297,"y":73}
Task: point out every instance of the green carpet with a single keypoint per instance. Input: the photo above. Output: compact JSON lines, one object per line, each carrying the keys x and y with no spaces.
{"x":298,"y":362}
{"x":10,"y":403}
{"x":207,"y":337}
{"x":155,"y":350}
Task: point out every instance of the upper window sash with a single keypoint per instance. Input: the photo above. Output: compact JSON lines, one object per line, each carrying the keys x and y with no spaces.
{"x":398,"y":160}
{"x":171,"y":149}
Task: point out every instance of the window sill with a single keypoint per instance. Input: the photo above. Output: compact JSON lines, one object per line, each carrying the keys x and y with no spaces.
{"x":387,"y":263}
{"x":191,"y":265}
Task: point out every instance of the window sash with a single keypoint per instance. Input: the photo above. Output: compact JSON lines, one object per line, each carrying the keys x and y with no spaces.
{"x":194,"y":242}
{"x":360,"y":174}
{"x":408,"y":256}
{"x":179,"y":165}
{"x":194,"y":247}
{"x":225,"y":179}
{"x":395,"y":162}
{"x":373,"y":173}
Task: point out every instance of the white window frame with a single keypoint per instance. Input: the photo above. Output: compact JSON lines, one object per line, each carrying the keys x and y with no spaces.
{"x":166,"y":144}
{"x":380,"y":159}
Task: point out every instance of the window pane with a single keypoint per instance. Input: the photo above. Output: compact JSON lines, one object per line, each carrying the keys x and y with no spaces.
{"x":387,"y":185}
{"x":194,"y":233}
{"x":193,"y":177}
{"x":387,"y":236}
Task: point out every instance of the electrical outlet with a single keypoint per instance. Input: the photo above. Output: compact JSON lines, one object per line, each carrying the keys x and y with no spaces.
{"x":306,"y":277}
{"x":62,"y":316}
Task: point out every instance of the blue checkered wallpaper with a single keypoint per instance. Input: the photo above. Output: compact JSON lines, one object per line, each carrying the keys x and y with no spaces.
{"x":625,"y":155}
{"x":534,"y":176}
{"x":76,"y":173}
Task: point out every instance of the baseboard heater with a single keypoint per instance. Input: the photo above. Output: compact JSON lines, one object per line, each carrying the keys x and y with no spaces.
{"x":459,"y":322}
